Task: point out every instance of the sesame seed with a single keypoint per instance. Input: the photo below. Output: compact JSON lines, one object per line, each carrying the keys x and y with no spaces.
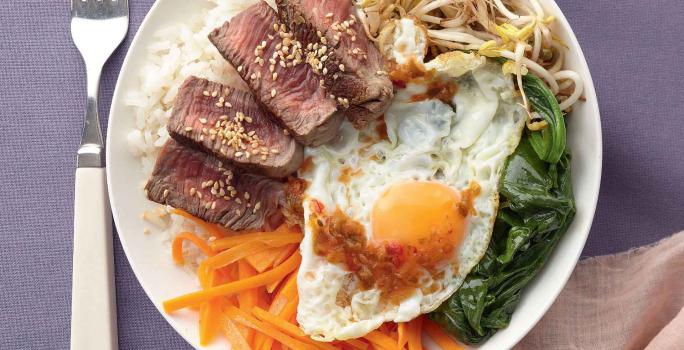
{"x":248,"y":119}
{"x":253,"y":76}
{"x":342,"y":67}
{"x":214,"y":94}
{"x":329,"y":15}
{"x":166,"y":193}
{"x":239,"y":69}
{"x":273,"y":92}
{"x":238,"y":154}
{"x":213,"y":205}
{"x":188,"y":128}
{"x":251,"y":133}
{"x":275,"y":151}
{"x":237,"y":212}
{"x":247,"y":195}
{"x":199,"y":194}
{"x":207,"y":205}
{"x":203,"y":120}
{"x":205,"y":93}
{"x":247,"y":154}
{"x":228,"y":104}
{"x":263,"y":157}
{"x":325,"y":71}
{"x":257,"y":206}
{"x":238,"y":200}
{"x":193,"y":191}
{"x":275,"y":76}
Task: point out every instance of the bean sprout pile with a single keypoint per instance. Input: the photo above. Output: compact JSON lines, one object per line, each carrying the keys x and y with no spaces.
{"x":516,"y":30}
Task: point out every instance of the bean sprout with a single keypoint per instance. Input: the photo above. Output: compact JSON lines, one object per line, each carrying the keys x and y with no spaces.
{"x":517,"y":30}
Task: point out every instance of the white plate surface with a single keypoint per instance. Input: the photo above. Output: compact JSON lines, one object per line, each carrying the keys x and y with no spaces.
{"x":161,"y":279}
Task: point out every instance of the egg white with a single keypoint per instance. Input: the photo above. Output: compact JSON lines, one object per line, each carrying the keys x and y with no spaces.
{"x":467,"y":140}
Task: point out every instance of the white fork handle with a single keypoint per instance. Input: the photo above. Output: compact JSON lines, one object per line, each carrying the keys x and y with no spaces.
{"x":93,"y":307}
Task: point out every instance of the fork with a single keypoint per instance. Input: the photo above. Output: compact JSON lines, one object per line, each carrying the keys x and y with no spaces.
{"x":97,"y":28}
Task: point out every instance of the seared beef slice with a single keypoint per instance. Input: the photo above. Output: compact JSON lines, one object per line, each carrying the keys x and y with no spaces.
{"x":354,"y":67}
{"x":274,"y":66}
{"x":219,"y":193}
{"x":231,"y":125}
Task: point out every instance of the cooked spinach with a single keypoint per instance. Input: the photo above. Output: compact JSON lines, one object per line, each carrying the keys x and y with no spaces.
{"x":536,"y":208}
{"x":549,"y":143}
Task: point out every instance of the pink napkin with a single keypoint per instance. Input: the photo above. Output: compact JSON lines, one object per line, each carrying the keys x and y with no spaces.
{"x":631,"y":300}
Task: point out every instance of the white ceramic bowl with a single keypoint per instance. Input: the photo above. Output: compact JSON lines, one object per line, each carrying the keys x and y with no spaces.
{"x":161,"y":279}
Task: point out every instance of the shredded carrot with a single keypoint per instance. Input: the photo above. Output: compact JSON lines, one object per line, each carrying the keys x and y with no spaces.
{"x":213,"y":230}
{"x":263,"y":259}
{"x":289,"y":328}
{"x":380,"y":340}
{"x":439,"y":336}
{"x":234,"y":287}
{"x":273,"y":239}
{"x":415,"y":333}
{"x":177,"y":246}
{"x":235,"y":338}
{"x":247,"y":299}
{"x":209,"y":316}
{"x":228,"y":257}
{"x":285,"y":253}
{"x":250,"y":321}
{"x":357,"y":344}
{"x":402,"y":330}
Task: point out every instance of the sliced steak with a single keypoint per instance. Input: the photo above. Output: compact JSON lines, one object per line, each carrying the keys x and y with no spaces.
{"x":219,"y":193}
{"x":231,"y":125}
{"x":354,"y":68}
{"x":274,"y":66}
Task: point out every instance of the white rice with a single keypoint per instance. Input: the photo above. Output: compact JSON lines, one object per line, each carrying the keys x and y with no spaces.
{"x":179,"y":50}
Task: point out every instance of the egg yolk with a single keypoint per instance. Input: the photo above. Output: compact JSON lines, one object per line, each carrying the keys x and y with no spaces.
{"x":420,"y":214}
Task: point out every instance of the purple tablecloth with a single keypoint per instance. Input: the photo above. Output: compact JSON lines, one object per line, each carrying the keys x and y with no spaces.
{"x":634,"y":50}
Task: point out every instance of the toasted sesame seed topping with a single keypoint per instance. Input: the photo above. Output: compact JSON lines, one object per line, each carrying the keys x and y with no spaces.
{"x":193,"y":191}
{"x":275,"y":76}
{"x":239,"y":68}
{"x":203,"y":120}
{"x":188,"y":128}
{"x":342,"y":67}
{"x":214,"y":94}
{"x":213,"y":205}
{"x":329,"y":15}
{"x":247,"y":195}
{"x":205,"y":93}
{"x":238,"y":154}
{"x":273,"y":92}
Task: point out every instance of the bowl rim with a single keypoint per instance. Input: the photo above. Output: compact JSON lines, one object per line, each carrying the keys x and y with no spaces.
{"x":590,"y":207}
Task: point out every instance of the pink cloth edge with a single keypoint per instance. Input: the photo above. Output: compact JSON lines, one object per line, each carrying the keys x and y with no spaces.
{"x":628,"y":300}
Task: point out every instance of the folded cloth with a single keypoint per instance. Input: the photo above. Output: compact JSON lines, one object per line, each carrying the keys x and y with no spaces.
{"x":631,"y":300}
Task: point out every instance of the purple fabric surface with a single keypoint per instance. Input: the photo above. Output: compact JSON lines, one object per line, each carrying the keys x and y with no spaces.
{"x":634,"y":51}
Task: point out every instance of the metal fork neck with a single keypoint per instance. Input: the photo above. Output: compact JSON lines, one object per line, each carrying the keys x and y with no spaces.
{"x":91,"y":151}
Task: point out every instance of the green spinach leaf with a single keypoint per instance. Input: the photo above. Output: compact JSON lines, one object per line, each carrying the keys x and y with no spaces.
{"x":549,"y":143}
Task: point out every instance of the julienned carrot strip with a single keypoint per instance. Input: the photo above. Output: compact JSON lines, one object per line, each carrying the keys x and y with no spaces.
{"x":209,"y":317}
{"x":414,"y":334}
{"x":261,"y":279}
{"x":228,"y":257}
{"x":439,"y":336}
{"x":285,"y":326}
{"x":247,"y":299}
{"x":272,"y":239}
{"x":285,"y":253}
{"x":264,"y":259}
{"x":286,"y":293}
{"x":250,"y":321}
{"x":357,"y":344}
{"x":214,"y":230}
{"x":402,"y":330}
{"x":232,"y":333}
{"x":380,"y":340}
{"x":177,"y":246}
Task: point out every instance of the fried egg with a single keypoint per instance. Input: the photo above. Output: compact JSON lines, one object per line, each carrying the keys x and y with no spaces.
{"x":397,"y":214}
